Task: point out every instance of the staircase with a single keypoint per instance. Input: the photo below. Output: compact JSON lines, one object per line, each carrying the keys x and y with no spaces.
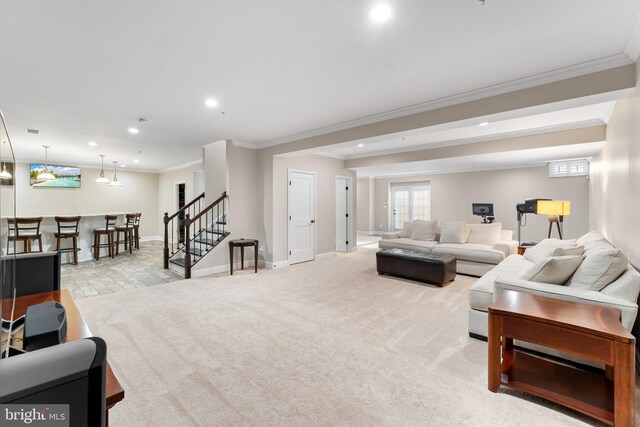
{"x":193,"y":231}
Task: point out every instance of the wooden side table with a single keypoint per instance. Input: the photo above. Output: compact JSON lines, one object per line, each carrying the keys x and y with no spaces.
{"x":522,"y":249}
{"x":243,"y":243}
{"x":585,"y":330}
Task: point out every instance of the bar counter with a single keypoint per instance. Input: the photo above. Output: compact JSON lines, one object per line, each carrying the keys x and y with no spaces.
{"x":48,"y":227}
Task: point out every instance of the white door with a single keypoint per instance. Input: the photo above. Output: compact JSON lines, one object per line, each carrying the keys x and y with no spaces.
{"x":343,"y":213}
{"x":302,"y":217}
{"x":400,"y":208}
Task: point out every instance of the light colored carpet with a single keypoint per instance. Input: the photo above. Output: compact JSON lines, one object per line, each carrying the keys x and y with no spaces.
{"x":327,"y":343}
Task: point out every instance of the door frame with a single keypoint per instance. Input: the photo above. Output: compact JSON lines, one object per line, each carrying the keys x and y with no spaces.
{"x":315,"y":212}
{"x":409,"y":185}
{"x":350,"y":245}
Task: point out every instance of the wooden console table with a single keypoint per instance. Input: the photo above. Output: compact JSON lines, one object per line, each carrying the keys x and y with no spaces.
{"x":589,"y":331}
{"x":76,"y":329}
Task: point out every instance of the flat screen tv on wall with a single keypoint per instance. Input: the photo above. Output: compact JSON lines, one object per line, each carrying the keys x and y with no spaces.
{"x":65,"y":176}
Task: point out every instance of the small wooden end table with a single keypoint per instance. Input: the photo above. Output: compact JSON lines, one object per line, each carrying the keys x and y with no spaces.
{"x":243,"y":243}
{"x":586,"y":330}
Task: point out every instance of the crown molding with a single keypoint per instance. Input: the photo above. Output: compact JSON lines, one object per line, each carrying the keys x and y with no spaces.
{"x":633,"y":46}
{"x":182,"y":166}
{"x":449,"y":171}
{"x":585,"y":68}
{"x":245,"y":144}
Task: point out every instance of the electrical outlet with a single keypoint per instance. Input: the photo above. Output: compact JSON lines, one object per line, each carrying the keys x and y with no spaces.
{"x":261,"y":249}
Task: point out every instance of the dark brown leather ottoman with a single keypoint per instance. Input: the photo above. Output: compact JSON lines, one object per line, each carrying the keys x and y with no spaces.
{"x":435,"y":269}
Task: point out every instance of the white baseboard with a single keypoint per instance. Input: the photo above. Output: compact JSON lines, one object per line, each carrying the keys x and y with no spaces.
{"x":151,"y":238}
{"x":248,"y":264}
{"x":326,"y":255}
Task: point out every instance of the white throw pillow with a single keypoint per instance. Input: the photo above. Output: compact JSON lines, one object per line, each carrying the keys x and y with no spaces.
{"x":452,"y":232}
{"x":592,"y":236}
{"x":599,"y":269}
{"x":487,"y":234}
{"x":627,"y":286}
{"x":423,"y":230}
{"x":553,"y":270}
{"x":578,"y":250}
{"x":406,"y":230}
{"x":546,"y":248}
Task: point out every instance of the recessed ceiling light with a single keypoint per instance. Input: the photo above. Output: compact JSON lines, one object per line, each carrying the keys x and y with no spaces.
{"x":93,"y":143}
{"x":380,"y":13}
{"x":483,"y":124}
{"x":136,"y":161}
{"x":123,"y":166}
{"x":133,"y":130}
{"x":211,"y":103}
{"x":360,"y":145}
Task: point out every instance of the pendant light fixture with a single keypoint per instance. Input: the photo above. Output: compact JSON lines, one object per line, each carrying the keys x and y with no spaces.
{"x":115,"y":182}
{"x":102,"y":179}
{"x":5,"y":173}
{"x":46,"y":175}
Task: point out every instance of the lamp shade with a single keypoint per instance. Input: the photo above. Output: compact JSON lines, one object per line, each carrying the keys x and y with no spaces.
{"x":553,"y":207}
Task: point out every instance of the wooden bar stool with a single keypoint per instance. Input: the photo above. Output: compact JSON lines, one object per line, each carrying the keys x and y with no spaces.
{"x":24,"y":230}
{"x":136,"y":229}
{"x":127,"y":233}
{"x":108,"y":230}
{"x":68,"y":229}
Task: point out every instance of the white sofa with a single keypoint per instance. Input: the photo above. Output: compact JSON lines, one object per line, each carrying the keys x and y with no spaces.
{"x":484,"y":246}
{"x":622,"y":293}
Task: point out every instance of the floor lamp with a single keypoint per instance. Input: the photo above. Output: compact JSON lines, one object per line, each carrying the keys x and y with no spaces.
{"x":555,"y":210}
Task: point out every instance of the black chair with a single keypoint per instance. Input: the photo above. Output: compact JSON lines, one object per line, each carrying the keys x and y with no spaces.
{"x":68,"y":229}
{"x":72,"y":374}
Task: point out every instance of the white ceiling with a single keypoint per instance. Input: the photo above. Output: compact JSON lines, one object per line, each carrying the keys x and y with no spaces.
{"x":86,"y":70}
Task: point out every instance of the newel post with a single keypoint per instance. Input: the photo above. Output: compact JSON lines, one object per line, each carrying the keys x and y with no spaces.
{"x":166,"y":240}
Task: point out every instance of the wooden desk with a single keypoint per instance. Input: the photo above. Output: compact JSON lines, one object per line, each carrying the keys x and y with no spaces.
{"x":586,"y":330}
{"x":76,"y":329}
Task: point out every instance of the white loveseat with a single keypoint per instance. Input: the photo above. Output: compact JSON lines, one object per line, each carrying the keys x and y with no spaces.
{"x":621,"y":293}
{"x":480,"y":249}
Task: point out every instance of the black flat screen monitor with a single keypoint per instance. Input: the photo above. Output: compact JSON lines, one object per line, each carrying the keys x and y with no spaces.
{"x":482,"y":209}
{"x":33,"y":273}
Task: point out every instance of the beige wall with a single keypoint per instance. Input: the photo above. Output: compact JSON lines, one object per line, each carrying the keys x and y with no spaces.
{"x":167,"y":192}
{"x":453,"y":194}
{"x":138,"y":193}
{"x":326,"y":170}
{"x":365,"y":218}
{"x":615,"y":179}
{"x":243,"y":179}
{"x":215,"y":170}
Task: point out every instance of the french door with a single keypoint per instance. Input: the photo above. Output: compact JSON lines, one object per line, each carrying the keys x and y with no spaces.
{"x":409,"y":202}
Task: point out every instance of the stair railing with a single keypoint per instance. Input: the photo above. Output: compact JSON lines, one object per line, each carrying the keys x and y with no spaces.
{"x":173,"y":223}
{"x":214,"y":214}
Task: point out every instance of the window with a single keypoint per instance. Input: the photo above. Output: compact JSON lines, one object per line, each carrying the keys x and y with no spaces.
{"x":578,"y":167}
{"x":409,"y":202}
